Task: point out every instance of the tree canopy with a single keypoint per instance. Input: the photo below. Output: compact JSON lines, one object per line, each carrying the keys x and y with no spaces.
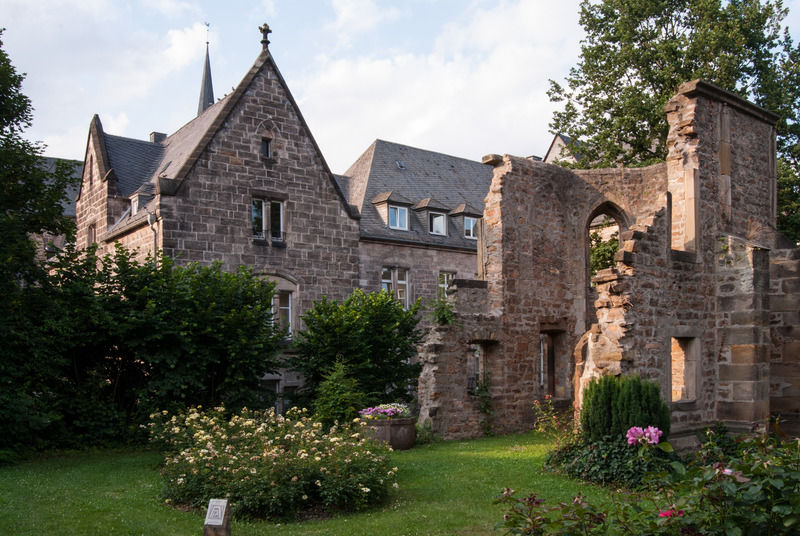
{"x":30,"y":196}
{"x":371,"y":334}
{"x":636,"y":54}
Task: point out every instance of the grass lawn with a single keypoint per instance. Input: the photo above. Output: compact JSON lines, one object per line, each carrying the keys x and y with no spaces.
{"x":446,"y":488}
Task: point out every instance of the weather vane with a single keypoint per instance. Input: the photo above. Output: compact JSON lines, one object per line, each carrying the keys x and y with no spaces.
{"x":208,"y":27}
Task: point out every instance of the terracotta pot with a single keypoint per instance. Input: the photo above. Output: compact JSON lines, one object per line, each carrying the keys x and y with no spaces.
{"x":399,"y":433}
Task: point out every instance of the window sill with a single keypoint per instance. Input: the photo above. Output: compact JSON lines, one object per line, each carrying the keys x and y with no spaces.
{"x":279,"y":244}
{"x":683,"y":405}
{"x":260,"y":242}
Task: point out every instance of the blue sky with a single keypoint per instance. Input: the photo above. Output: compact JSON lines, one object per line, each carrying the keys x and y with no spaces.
{"x":463,"y":77}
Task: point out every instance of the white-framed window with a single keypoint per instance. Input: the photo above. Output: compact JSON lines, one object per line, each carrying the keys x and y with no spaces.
{"x":445,"y":281}
{"x":437,"y":223}
{"x":471,"y":227}
{"x":282,"y":310}
{"x":266,"y":217}
{"x":398,"y":217}
{"x":395,"y":281}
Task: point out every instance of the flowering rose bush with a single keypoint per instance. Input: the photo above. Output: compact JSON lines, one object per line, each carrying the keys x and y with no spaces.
{"x":753,"y":491}
{"x":386,"y":411}
{"x":557,"y":424}
{"x":269,"y":465}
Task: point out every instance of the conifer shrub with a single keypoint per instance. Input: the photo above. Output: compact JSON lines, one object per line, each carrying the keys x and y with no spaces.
{"x":338,"y":397}
{"x":614,"y":404}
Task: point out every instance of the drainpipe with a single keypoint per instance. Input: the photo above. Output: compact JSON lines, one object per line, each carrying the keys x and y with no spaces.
{"x":152,"y":221}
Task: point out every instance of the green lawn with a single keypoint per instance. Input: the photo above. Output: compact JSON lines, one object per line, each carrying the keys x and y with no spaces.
{"x":446,"y":488}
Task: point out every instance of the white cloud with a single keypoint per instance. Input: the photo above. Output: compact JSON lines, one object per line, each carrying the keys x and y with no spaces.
{"x":356,"y":17}
{"x":171,"y":8}
{"x":480,"y":89}
{"x":116,"y":124}
{"x":137,"y":70}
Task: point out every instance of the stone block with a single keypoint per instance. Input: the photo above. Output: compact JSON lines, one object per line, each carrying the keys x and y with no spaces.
{"x":736,"y":373}
{"x":744,"y":335}
{"x":784,"y":303}
{"x":790,"y":352}
{"x":750,"y":412}
{"x":744,"y":354}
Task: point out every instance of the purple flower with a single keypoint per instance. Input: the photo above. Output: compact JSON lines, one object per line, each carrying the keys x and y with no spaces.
{"x":650,"y":435}
{"x":635,"y":433}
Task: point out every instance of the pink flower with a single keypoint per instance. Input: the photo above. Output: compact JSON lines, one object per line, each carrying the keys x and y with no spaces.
{"x":650,"y":435}
{"x":670,"y":513}
{"x":634,"y":434}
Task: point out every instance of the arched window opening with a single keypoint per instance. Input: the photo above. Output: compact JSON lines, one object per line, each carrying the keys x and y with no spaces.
{"x":603,"y":236}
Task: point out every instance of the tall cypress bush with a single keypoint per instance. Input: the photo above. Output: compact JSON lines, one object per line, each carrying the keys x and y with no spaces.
{"x":613,"y":404}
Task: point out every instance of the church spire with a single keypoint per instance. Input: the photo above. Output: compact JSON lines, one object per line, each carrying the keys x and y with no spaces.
{"x":206,"y":87}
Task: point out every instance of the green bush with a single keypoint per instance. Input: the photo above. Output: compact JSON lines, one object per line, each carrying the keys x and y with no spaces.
{"x":614,"y":404}
{"x":100,"y":343}
{"x":372,"y":334}
{"x":606,"y":461}
{"x":338,"y":398}
{"x":268,"y":465}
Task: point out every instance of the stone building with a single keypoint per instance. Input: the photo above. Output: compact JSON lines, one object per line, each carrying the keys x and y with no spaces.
{"x":703,"y":298}
{"x":243,"y":183}
{"x":420,"y":213}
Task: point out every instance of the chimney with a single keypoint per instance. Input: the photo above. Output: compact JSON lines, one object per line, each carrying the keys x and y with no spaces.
{"x":157,"y":137}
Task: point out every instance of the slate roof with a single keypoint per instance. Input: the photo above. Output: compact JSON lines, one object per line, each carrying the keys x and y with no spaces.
{"x":133,"y":161}
{"x":436,"y":181}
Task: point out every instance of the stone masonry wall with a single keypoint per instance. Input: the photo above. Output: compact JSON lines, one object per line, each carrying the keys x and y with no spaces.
{"x":445,"y":396}
{"x":687,"y":303}
{"x":784,"y":351}
{"x":209,"y":218}
{"x":423,"y":265}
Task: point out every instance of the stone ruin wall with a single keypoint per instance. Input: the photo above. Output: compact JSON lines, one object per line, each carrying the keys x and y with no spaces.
{"x":693,"y":269}
{"x":784,"y":348}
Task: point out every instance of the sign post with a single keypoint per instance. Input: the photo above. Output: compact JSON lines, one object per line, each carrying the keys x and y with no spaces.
{"x":218,"y":518}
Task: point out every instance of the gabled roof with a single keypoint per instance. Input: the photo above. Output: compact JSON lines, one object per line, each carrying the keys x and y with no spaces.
{"x":133,"y":161}
{"x":166,"y":164}
{"x":467,"y":210}
{"x":391,"y":197}
{"x":430,"y":203}
{"x":426,"y":179}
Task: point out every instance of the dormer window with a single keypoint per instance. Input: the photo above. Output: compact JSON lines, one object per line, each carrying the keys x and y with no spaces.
{"x":471,"y":227}
{"x":437,"y":223}
{"x":398,"y":217}
{"x":134,"y":205}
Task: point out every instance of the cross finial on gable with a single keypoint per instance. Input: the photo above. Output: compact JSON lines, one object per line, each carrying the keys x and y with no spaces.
{"x":265,"y":31}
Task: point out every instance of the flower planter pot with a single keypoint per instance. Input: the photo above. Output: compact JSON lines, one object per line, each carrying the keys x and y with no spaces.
{"x":399,"y":433}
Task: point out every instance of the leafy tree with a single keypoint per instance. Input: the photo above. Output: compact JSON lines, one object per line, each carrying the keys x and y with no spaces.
{"x":789,"y":201}
{"x":101,"y":343}
{"x":30,"y":197}
{"x":601,"y":252}
{"x":637,"y":52}
{"x":371,"y":334}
